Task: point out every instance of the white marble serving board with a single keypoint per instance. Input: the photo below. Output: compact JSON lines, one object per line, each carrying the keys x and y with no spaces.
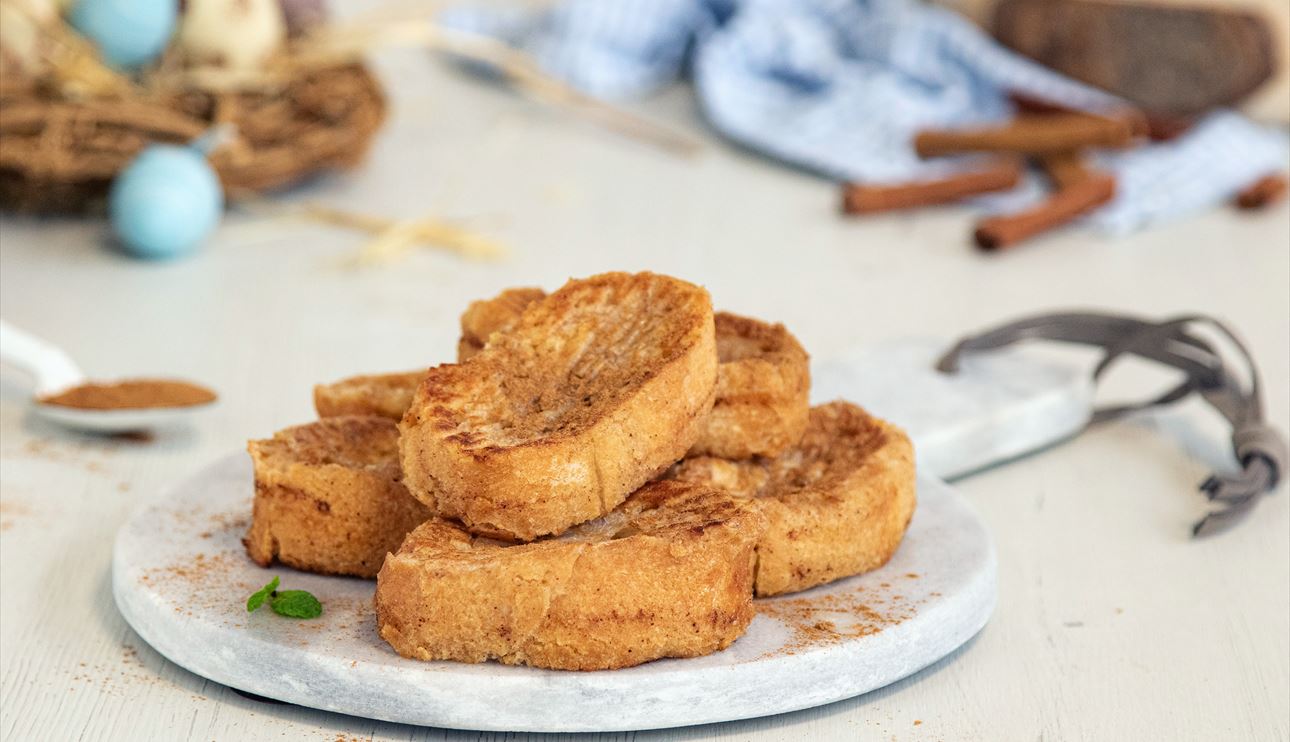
{"x":997,"y":407}
{"x":181,"y":578}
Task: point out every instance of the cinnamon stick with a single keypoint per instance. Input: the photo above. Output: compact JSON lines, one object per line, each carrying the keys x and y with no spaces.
{"x":1000,"y":232}
{"x":1161,"y":128}
{"x":1064,"y":169}
{"x":859,"y":198}
{"x":1138,"y":119}
{"x":1262,"y":193}
{"x":1032,"y":134}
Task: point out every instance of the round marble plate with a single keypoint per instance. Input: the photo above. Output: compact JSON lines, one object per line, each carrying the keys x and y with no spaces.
{"x":181,"y":579}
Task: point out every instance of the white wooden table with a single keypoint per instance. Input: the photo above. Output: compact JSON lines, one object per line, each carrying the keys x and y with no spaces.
{"x":1111,"y":623}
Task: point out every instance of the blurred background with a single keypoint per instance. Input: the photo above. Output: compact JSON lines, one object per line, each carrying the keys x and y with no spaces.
{"x":724,"y":167}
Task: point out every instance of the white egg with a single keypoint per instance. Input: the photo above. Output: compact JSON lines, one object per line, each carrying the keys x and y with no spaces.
{"x":240,"y":34}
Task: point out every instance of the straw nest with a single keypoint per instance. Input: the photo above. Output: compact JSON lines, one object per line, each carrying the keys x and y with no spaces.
{"x":59,"y":154}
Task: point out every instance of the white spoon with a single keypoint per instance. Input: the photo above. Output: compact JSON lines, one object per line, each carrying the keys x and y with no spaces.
{"x":55,"y":372}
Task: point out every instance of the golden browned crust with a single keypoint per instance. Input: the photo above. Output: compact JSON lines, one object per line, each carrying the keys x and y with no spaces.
{"x":763,"y":377}
{"x":667,"y":574}
{"x":597,"y":389}
{"x":384,"y":395}
{"x":486,"y":316}
{"x":328,"y":497}
{"x":837,"y":504}
{"x":763,"y":390}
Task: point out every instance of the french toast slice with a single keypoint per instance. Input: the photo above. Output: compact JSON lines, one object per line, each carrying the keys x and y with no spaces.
{"x":763,"y":391}
{"x":763,"y":377}
{"x":763,"y":380}
{"x":384,"y":395}
{"x":486,"y":316}
{"x":597,"y":389}
{"x":328,"y":497}
{"x":669,"y":573}
{"x":836,"y":504}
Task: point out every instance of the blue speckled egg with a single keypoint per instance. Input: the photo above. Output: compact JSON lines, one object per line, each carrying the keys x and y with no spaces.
{"x":166,"y":202}
{"x":128,"y":33}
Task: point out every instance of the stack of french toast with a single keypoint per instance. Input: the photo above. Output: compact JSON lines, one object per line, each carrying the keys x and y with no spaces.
{"x":608,"y":475}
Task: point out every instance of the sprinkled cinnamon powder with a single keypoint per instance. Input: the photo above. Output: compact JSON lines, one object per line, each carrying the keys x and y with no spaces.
{"x":834,"y":617}
{"x":211,"y":581}
{"x":131,"y":394}
{"x":11,"y":512}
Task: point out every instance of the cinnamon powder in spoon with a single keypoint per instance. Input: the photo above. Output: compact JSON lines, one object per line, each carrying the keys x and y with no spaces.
{"x":131,"y":394}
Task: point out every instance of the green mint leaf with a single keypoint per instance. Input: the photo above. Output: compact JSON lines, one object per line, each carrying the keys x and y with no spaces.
{"x":296,"y":604}
{"x":258,"y":597}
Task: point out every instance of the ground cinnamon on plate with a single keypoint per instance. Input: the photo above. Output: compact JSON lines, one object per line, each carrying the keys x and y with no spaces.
{"x":835,"y":617}
{"x":131,"y":394}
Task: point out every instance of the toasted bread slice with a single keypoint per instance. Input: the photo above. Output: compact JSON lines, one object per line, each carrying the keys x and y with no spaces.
{"x":763,"y":390}
{"x":763,"y":377}
{"x":328,"y":497}
{"x":384,"y":395}
{"x":669,"y":573}
{"x":486,"y":316}
{"x":597,"y":389}
{"x":837,"y":504}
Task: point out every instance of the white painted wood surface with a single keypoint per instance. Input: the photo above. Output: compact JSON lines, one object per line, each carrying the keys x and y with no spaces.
{"x":1111,"y":623}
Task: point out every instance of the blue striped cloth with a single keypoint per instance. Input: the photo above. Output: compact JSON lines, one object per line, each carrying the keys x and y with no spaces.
{"x":841,"y":87}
